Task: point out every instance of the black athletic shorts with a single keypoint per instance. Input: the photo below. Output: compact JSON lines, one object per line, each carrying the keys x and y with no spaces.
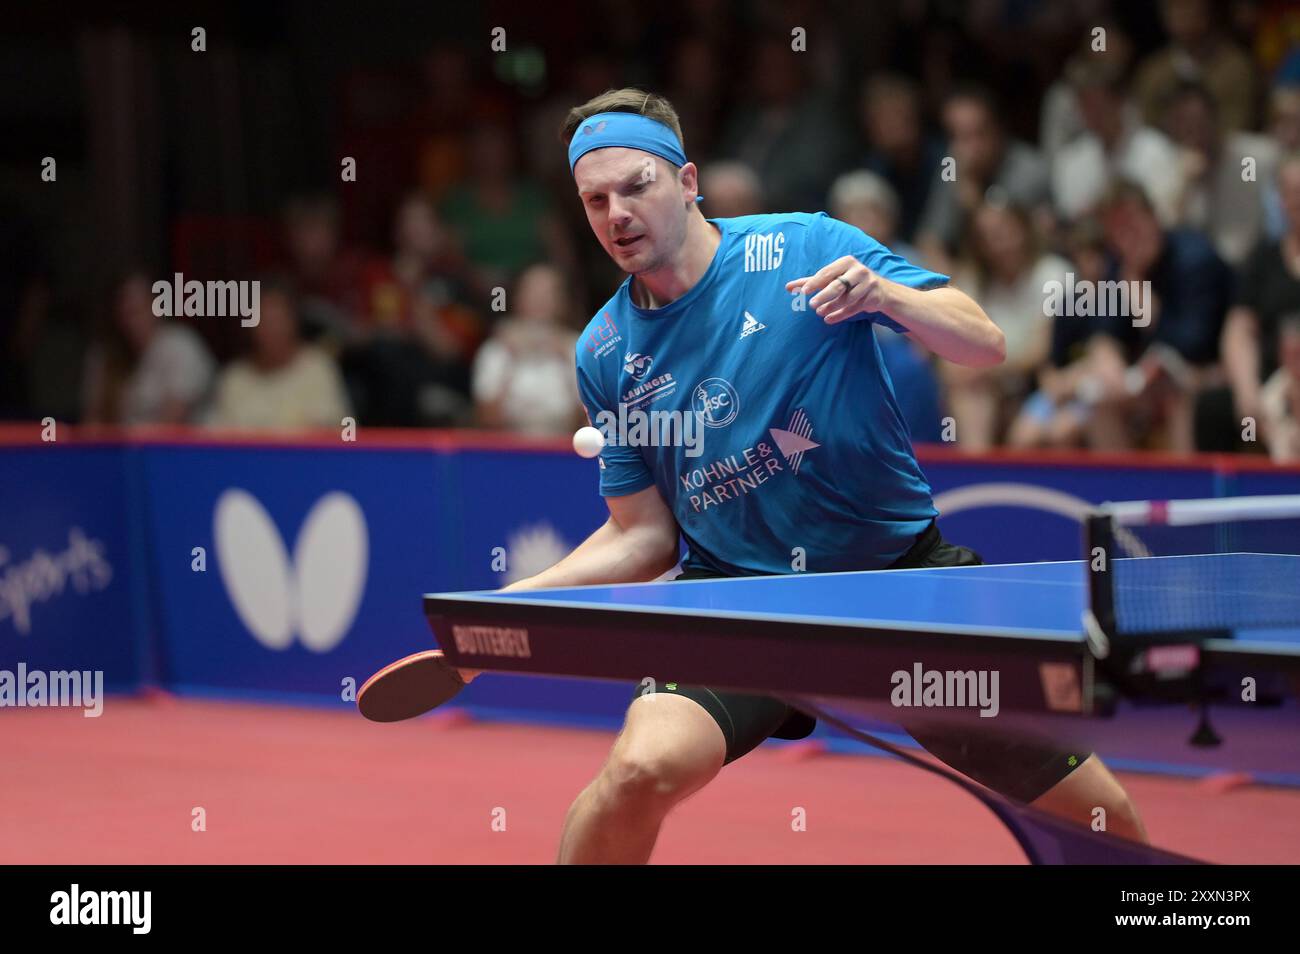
{"x":1018,"y":766}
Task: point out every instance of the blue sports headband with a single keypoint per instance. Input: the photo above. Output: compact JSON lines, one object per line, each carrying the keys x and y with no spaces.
{"x":630,"y":130}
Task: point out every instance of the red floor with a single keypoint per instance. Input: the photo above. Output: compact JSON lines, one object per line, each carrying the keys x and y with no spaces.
{"x":301,"y":786}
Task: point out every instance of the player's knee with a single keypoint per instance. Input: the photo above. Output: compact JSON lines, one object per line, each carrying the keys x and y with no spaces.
{"x":641,"y":780}
{"x":1122,"y":817}
{"x":1092,"y":796}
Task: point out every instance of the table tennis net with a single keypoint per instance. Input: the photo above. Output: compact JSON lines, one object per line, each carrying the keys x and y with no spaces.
{"x":1215,"y":566}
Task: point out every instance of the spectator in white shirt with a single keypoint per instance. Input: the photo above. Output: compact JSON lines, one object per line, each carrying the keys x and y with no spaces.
{"x":283,"y":383}
{"x":1218,"y":198}
{"x":1060,"y":120}
{"x":145,"y":369}
{"x":984,"y":160}
{"x":1116,"y":145}
{"x":523,"y":377}
{"x":1008,"y":275}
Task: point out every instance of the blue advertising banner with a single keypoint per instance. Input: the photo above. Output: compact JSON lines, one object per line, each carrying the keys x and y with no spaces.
{"x":67,"y":556}
{"x":1011,"y":512}
{"x":283,"y":571}
{"x":288,"y":571}
{"x":1249,"y":483}
{"x":519,"y":513}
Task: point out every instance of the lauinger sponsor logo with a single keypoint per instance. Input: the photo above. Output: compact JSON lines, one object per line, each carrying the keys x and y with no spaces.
{"x":647,"y":392}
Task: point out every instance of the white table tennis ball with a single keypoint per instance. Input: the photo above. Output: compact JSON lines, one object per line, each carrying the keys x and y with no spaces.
{"x":588,"y":441}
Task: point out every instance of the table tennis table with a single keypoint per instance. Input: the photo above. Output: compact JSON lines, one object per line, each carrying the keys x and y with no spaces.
{"x":837,"y":642}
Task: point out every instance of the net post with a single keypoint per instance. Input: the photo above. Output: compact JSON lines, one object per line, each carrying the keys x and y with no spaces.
{"x":1099,"y":533}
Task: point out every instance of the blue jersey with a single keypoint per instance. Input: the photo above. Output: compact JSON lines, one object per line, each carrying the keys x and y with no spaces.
{"x":802,"y":460}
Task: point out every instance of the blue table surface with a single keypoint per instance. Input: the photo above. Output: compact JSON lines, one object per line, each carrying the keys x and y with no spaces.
{"x":1040,"y":600}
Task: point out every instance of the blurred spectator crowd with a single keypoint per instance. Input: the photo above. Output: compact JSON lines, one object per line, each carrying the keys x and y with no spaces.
{"x":1078,"y":157}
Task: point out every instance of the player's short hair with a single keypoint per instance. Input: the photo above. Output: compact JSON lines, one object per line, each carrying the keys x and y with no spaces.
{"x":626,"y":100}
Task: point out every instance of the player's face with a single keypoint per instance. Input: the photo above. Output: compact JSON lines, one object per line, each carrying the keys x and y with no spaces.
{"x":636,"y":205}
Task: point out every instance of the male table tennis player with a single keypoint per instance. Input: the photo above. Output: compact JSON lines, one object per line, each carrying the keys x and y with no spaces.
{"x":804,"y":447}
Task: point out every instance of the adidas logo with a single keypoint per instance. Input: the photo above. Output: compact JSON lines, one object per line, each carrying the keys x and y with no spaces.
{"x":752,"y":324}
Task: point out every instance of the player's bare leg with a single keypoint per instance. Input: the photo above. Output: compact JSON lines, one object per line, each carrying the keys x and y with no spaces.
{"x":1089,"y":787}
{"x":670,"y":748}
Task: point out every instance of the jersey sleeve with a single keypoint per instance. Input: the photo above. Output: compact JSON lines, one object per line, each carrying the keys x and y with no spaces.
{"x":622,"y":469}
{"x":837,"y":239}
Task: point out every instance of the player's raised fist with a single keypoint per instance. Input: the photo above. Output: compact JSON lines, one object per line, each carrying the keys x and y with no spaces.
{"x":842,"y":289}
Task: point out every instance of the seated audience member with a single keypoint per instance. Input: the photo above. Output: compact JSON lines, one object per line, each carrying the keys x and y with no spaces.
{"x":899,"y":146}
{"x":866,"y":200}
{"x":283,"y":382}
{"x":1217,"y":198}
{"x":326,"y":277}
{"x":1201,"y":49}
{"x":504,"y":220}
{"x":784,"y":127}
{"x":1008,"y":275}
{"x":1154,"y":340}
{"x":1268,"y":290}
{"x":418,"y":332}
{"x":145,"y":369}
{"x":730,"y":189}
{"x":1115,"y":145}
{"x":1060,"y":120}
{"x":523,"y":375}
{"x":1056,"y":414}
{"x":986,"y":158}
{"x":426,"y":269}
{"x":1279,"y":399}
{"x":1284,"y":131}
{"x":698,"y":78}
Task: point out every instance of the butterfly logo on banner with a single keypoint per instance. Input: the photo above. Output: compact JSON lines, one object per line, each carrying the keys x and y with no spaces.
{"x":313,"y":596}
